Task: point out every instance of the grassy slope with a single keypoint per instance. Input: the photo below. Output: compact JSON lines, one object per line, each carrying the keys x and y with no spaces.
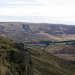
{"x":12,"y":60}
{"x":43,"y":63}
{"x":5,"y":48}
{"x":46,"y":64}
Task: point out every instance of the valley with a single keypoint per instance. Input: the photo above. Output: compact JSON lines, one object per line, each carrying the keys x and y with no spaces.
{"x":42,"y":48}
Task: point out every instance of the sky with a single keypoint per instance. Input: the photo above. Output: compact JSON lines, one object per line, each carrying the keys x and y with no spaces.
{"x":38,"y":11}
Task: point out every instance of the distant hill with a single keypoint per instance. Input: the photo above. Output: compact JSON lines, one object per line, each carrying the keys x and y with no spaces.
{"x":66,"y":51}
{"x":17,"y":60}
{"x":21,"y":31}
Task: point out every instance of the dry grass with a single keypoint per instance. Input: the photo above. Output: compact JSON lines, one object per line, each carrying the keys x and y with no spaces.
{"x":66,"y":52}
{"x":60,"y":37}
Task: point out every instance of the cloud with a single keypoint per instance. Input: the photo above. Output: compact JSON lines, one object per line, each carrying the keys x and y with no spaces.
{"x":22,"y":10}
{"x":63,"y":10}
{"x":17,"y":1}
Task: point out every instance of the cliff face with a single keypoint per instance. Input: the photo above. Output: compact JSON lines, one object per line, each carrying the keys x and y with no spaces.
{"x":14,"y":59}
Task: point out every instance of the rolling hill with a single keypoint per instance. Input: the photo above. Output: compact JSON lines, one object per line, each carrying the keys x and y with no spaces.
{"x":17,"y":60}
{"x":64,"y":51}
{"x":22,"y":32}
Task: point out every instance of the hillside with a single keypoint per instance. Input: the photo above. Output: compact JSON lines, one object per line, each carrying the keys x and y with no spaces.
{"x":14,"y":59}
{"x":46,"y":64}
{"x":22,"y":32}
{"x":19,"y":32}
{"x":64,"y":51}
{"x":55,"y":31}
{"x":17,"y":60}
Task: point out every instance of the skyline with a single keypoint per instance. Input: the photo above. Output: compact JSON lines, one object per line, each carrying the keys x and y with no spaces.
{"x":45,"y":11}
